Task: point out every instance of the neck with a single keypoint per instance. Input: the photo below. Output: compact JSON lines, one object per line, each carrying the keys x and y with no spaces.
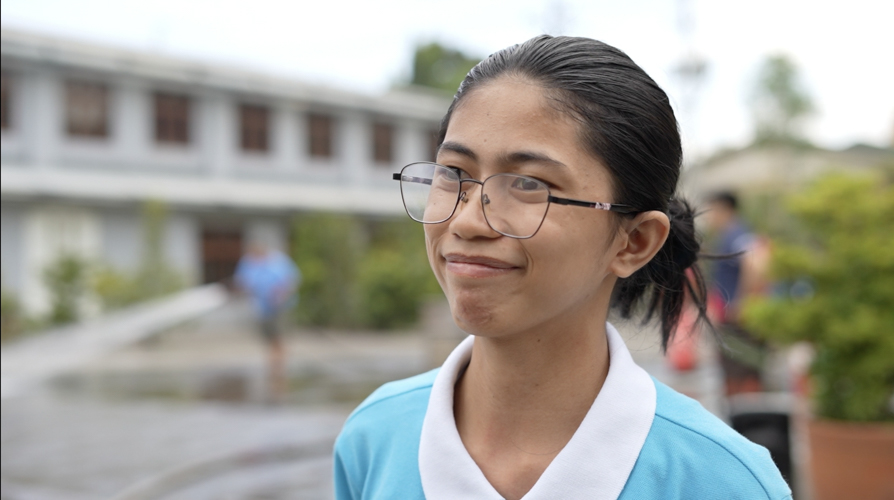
{"x":531,"y":391}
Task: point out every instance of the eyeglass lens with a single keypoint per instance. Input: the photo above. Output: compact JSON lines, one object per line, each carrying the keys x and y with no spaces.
{"x":513,"y":205}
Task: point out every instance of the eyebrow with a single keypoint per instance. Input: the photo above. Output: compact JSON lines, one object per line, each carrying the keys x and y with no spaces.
{"x":515,"y":157}
{"x":529,"y":157}
{"x":459,"y":149}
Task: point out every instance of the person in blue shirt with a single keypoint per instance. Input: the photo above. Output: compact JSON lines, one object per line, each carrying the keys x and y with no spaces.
{"x":735,"y":240}
{"x":271,"y":279}
{"x":736,"y":275}
{"x":552,"y":200}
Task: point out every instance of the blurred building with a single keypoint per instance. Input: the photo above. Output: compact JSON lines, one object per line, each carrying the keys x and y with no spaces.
{"x":90,"y":133}
{"x":778,"y":169}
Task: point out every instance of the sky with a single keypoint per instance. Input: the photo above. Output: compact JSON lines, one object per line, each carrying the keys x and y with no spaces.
{"x":843,"y":49}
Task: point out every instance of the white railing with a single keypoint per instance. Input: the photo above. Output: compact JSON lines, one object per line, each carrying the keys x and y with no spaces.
{"x":32,"y":360}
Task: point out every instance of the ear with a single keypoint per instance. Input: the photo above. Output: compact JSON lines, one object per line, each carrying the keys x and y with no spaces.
{"x":642,"y":238}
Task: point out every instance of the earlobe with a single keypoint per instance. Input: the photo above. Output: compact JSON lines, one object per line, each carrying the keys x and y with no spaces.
{"x":645,"y":235}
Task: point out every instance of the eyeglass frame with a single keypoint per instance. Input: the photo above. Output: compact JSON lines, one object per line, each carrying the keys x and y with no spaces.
{"x":460,"y":195}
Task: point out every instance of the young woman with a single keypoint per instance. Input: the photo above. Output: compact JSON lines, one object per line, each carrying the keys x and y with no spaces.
{"x":552,"y":199}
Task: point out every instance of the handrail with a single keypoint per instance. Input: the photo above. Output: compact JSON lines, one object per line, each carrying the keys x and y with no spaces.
{"x":34,"y":359}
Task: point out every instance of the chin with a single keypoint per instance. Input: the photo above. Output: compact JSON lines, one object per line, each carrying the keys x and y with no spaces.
{"x":473,"y":317}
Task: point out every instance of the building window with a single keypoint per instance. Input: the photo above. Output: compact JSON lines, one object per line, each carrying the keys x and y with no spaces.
{"x":171,"y":119}
{"x":255,"y":127}
{"x":86,"y":109}
{"x":320,"y":135}
{"x":5,"y":101}
{"x":383,"y":139}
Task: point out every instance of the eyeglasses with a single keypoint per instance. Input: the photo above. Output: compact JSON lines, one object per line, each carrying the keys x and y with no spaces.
{"x":514,"y":205}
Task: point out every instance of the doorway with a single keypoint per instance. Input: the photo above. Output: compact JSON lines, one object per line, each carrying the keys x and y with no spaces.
{"x":221,"y":251}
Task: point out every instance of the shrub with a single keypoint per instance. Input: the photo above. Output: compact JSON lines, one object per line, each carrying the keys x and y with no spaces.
{"x":845,"y":273}
{"x":327,"y":247}
{"x":66,"y":281}
{"x":12,"y":318}
{"x":117,"y":289}
{"x":360,"y":273}
{"x":153,"y":278}
{"x":395,"y":278}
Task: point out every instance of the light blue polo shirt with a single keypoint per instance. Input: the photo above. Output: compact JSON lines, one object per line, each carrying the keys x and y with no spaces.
{"x":639,"y":440}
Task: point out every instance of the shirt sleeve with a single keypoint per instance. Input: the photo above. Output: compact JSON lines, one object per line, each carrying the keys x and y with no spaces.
{"x":344,"y":489}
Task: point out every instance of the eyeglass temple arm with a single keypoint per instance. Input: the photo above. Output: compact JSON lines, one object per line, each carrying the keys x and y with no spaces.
{"x":612,"y":207}
{"x":410,"y":178}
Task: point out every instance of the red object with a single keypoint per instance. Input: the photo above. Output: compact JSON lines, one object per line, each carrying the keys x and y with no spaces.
{"x":716,"y":307}
{"x":682,"y":351}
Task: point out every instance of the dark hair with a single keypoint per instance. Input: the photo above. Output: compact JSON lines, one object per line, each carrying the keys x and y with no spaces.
{"x":627,"y":122}
{"x":725,"y":198}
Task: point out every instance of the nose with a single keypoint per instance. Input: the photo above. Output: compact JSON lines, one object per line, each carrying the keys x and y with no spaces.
{"x":468,"y":221}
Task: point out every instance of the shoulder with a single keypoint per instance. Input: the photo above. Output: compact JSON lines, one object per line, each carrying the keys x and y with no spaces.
{"x":377,"y":449}
{"x":388,"y":415}
{"x":395,"y":395}
{"x":243,"y":262}
{"x":683,"y":417}
{"x":697,"y":455}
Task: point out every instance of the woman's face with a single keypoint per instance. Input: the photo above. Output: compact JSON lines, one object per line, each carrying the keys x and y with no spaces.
{"x":562,"y":277}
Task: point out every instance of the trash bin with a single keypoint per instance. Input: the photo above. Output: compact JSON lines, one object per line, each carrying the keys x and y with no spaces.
{"x":765,"y":418}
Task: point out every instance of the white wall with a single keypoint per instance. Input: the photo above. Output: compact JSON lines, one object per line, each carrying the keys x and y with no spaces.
{"x":51,"y":231}
{"x":183,"y":246}
{"x":122,"y":238}
{"x":12,"y":231}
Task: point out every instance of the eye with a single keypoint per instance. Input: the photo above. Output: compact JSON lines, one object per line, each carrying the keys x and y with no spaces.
{"x":449,"y":173}
{"x":446,"y":178}
{"x":527,"y":184}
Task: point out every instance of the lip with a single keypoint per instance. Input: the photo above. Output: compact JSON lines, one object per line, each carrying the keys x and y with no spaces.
{"x":477,"y":266}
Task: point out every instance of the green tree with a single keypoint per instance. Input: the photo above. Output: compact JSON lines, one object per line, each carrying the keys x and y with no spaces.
{"x":439,"y":67}
{"x":842,"y":287}
{"x":780,"y":103}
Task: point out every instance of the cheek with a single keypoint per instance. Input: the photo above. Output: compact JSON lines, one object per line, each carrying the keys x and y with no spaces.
{"x":578,"y":255}
{"x":431,"y":248}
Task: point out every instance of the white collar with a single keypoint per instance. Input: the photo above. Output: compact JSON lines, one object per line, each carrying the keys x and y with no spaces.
{"x":595,"y":463}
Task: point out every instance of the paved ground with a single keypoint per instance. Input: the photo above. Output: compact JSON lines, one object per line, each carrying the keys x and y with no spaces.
{"x":184,"y":416}
{"x":62,"y":448}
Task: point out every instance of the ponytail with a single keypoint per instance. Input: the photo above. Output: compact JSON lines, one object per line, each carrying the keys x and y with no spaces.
{"x":664,"y":283}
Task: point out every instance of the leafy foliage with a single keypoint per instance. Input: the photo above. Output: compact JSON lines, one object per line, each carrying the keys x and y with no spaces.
{"x":66,"y":279}
{"x":153,"y":278}
{"x":439,"y":67}
{"x":780,"y":104}
{"x":327,"y":247}
{"x":12,"y":318}
{"x":118,"y":289}
{"x":395,"y":277}
{"x":358,"y":273}
{"x":846,"y":274}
